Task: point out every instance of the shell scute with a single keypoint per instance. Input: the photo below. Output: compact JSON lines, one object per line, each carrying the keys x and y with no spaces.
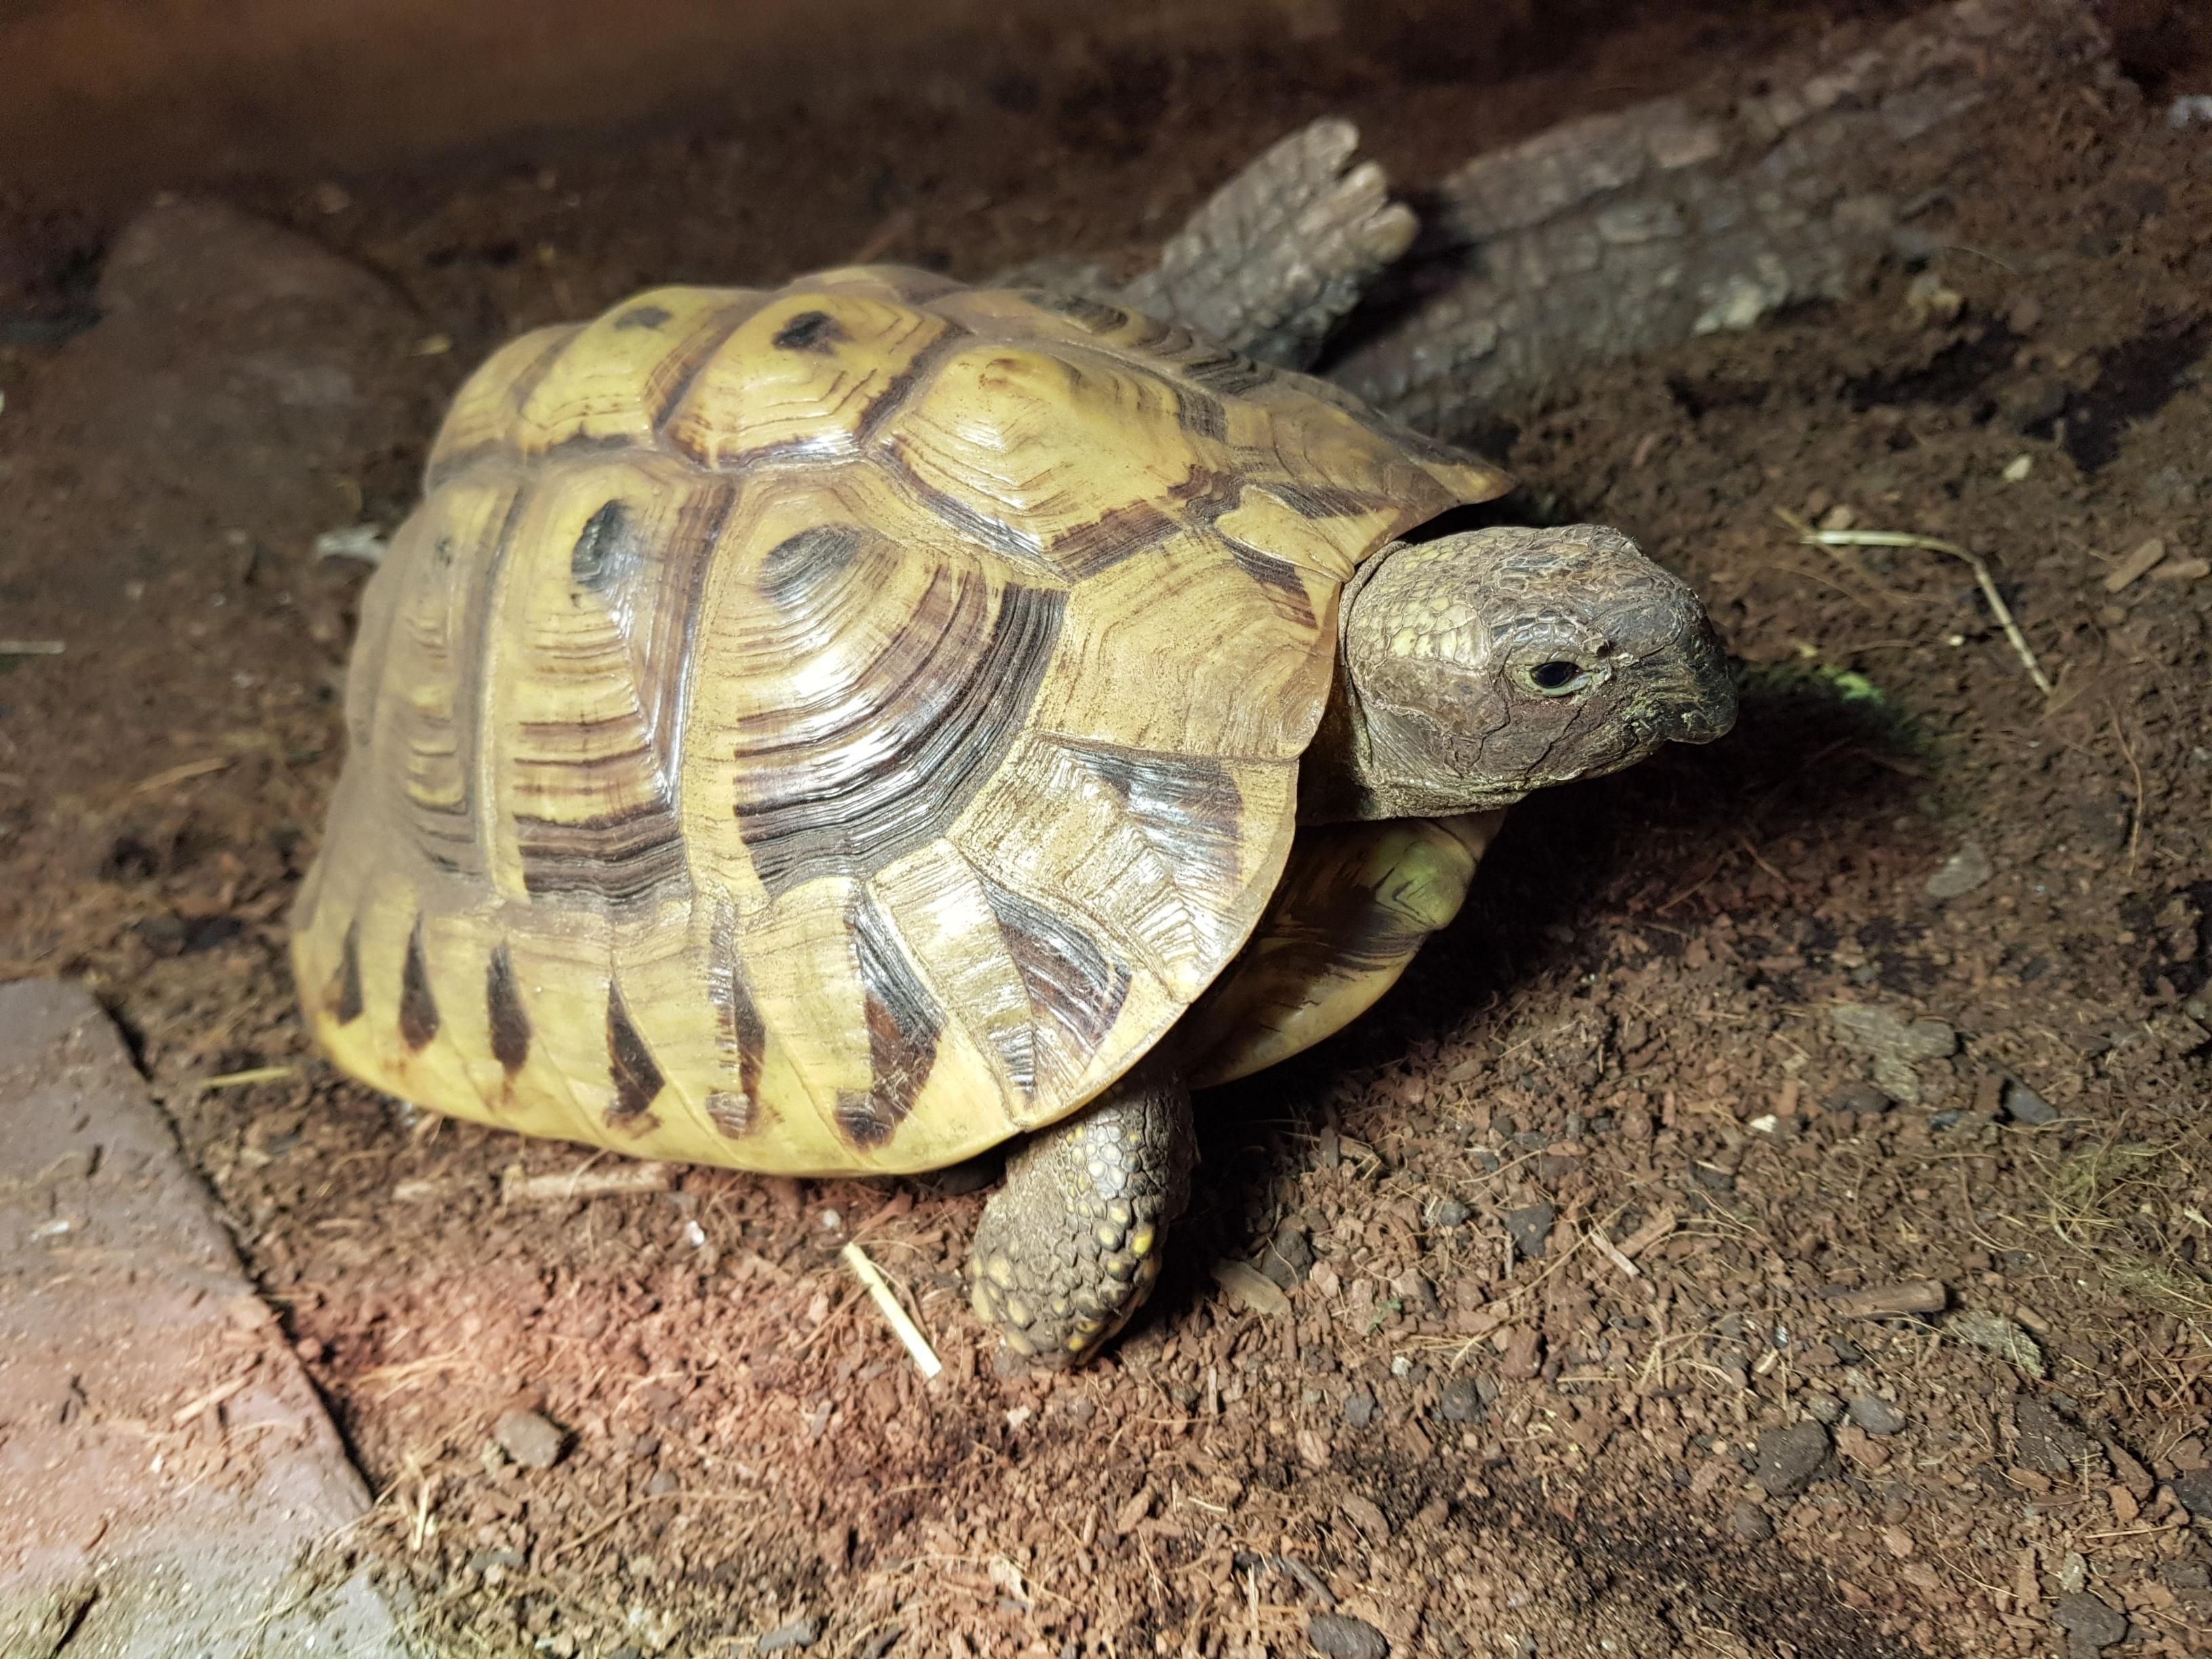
{"x":804,"y":379}
{"x":610,"y":385}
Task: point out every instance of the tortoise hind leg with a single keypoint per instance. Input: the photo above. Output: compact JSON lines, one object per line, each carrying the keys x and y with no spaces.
{"x":1354,"y":907}
{"x":1069,"y":1246}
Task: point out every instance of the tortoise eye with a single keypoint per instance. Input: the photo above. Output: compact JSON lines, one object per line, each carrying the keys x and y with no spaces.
{"x":1556,"y":678}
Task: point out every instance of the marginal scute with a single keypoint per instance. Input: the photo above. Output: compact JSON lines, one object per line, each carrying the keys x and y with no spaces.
{"x":904,"y":1024}
{"x":1284,"y":588}
{"x":1075,"y":990}
{"x":739,"y":1033}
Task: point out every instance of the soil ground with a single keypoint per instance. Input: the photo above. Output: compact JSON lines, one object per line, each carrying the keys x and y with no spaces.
{"x":1901,"y":984}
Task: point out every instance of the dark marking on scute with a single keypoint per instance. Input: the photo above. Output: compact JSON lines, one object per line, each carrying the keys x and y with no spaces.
{"x":445,"y":835}
{"x":606,"y":550}
{"x":1120,"y":532}
{"x":1417,"y":446}
{"x":345,"y":995}
{"x":796,"y":567}
{"x":630,"y":1068}
{"x":886,"y":402}
{"x":1189,"y":806}
{"x":904,"y":1023}
{"x":1095,"y":316}
{"x":810,"y":331}
{"x":642,"y":317}
{"x":1226,"y":373}
{"x":966,"y":519}
{"x":739,"y":1032}
{"x":1321,"y":501}
{"x":577,"y":444}
{"x":1070,"y":982}
{"x":1205,"y":494}
{"x":418,"y":1009}
{"x":504,"y":1012}
{"x":1285,"y":591}
{"x":622,"y":858}
{"x":733,"y":1114}
{"x":1201,"y":414}
{"x":929,"y":722}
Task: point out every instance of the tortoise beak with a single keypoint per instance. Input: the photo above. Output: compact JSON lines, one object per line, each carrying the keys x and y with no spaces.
{"x":1700,"y":705}
{"x":1706,"y":704}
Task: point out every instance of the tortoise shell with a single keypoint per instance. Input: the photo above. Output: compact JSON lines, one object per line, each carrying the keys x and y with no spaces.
{"x":835,"y":729}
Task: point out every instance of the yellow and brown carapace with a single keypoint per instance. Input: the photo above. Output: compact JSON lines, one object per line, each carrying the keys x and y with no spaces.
{"x":834,"y":728}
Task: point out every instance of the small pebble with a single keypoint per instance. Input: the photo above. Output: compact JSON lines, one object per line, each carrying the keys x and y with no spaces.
{"x":1359,"y":1410}
{"x":1862,"y":1098}
{"x":1461,"y":1401}
{"x":2023,"y":1105}
{"x":2193,"y":1488}
{"x":799,"y":1633}
{"x":1449,"y":1212}
{"x":1994,"y":1334}
{"x":1789,"y":1458}
{"x":1530,"y":1228}
{"x":531,"y":1439}
{"x":1750,"y":1523}
{"x":1340,"y":1636}
{"x":1825,"y":1408}
{"x":2091,"y":1624}
{"x":1876,"y":1415}
{"x":1963,"y":872}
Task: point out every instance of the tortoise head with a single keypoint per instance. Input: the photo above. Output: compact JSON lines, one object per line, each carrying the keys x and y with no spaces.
{"x":1483,"y":664}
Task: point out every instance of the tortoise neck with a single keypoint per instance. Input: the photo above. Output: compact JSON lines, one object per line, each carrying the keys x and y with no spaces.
{"x":1337,"y":778}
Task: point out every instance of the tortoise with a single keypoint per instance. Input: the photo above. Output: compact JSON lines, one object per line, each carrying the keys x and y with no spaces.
{"x":837,"y":729}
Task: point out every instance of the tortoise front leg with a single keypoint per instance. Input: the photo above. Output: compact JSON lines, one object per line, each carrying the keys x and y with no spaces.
{"x":1069,"y":1247}
{"x":1355,"y":905}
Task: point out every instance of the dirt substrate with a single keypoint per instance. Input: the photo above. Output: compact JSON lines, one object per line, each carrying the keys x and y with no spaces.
{"x":1772,"y":1221}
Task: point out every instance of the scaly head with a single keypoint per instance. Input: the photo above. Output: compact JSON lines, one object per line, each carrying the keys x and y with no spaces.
{"x":1483,"y":664}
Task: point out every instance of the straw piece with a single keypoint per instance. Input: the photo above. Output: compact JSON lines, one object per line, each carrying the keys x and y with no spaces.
{"x":879,"y":1291}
